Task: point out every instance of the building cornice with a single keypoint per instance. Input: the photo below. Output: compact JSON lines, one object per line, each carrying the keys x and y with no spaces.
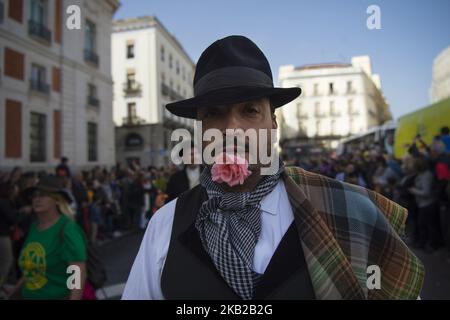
{"x":294,"y":75}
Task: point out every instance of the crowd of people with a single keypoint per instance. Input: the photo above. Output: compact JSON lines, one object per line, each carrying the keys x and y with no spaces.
{"x":419,"y":182}
{"x":104,"y":203}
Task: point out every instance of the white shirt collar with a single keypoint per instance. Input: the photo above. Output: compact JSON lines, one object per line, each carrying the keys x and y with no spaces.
{"x":269,"y":204}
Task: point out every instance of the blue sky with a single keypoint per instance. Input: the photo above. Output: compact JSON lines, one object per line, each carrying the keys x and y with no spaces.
{"x":301,"y":32}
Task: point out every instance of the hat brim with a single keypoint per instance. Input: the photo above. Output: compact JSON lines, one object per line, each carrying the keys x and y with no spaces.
{"x":188,"y":108}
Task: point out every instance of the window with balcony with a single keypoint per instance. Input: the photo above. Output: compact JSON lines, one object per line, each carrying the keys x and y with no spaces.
{"x":132,"y":117}
{"x":130,"y":51}
{"x":351,"y":108}
{"x":177,"y":67}
{"x":131,"y":86}
{"x":318,"y":127}
{"x":333,"y":128}
{"x":92,"y":141}
{"x":90,"y":42}
{"x":331,"y":88}
{"x":37,"y":24}
{"x":38,"y":79}
{"x":165,"y":90}
{"x":317,"y":110}
{"x":316,"y":89}
{"x":349,"y":87}
{"x":131,"y":110}
{"x":333,"y":109}
{"x":37,"y":137}
{"x":301,"y":114}
{"x":170,"y":61}
{"x":92,"y":99}
{"x":351,"y":126}
{"x":162,"y":53}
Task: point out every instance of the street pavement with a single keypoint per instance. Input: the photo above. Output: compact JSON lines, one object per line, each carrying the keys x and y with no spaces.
{"x":437,"y":274}
{"x":118,"y":256}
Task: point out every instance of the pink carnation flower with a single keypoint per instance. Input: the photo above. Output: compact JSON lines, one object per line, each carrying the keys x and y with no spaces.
{"x":230,"y":168}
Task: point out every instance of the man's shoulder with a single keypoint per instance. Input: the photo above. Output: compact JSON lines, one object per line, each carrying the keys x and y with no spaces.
{"x":165,"y":212}
{"x":160,"y":225}
{"x":310,"y":179}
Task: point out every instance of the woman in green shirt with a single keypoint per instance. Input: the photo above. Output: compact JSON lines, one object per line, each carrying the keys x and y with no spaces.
{"x":54,"y":243}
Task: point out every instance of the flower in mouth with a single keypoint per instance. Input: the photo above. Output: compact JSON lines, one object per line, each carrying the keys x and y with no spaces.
{"x":230,"y":168}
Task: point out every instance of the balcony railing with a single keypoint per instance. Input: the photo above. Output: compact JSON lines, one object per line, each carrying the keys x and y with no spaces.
{"x":168,"y":91}
{"x":320,"y":114}
{"x":132,"y":120}
{"x":38,"y":29}
{"x":131,"y":88}
{"x":91,"y":56}
{"x":93,"y":101}
{"x":335,"y":114}
{"x":39,"y":86}
{"x":165,"y":90}
{"x":302,"y":116}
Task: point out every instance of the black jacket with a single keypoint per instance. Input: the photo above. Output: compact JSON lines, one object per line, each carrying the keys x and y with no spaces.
{"x":178,"y":183}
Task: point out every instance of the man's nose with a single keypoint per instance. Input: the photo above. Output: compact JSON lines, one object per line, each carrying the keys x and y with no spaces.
{"x":231,"y":121}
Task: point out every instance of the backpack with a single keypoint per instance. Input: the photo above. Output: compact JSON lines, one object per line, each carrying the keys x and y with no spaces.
{"x":96,"y":271}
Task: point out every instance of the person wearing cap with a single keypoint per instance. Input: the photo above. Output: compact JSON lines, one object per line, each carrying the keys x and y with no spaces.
{"x":53,"y":243}
{"x":291,"y":234}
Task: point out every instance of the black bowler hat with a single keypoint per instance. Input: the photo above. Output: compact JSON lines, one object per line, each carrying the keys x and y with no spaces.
{"x":232,"y":70}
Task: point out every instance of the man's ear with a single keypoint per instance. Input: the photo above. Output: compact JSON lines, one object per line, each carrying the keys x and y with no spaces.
{"x":274,"y":121}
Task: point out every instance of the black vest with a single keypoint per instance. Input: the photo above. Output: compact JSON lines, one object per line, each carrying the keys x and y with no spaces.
{"x":189,"y":272}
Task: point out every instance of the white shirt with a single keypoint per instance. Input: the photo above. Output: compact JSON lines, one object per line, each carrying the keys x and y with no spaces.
{"x":193,"y":176}
{"x":144,"y":281}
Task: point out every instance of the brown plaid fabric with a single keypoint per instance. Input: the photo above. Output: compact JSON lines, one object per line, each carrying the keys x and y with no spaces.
{"x":346,"y":228}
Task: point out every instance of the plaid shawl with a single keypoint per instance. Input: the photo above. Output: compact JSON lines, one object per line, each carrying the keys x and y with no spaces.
{"x":346,"y":228}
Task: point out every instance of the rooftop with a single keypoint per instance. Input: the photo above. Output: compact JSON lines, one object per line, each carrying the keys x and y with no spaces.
{"x":323,"y":66}
{"x":145,"y":22}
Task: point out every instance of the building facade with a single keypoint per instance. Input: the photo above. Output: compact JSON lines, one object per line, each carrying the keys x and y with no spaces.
{"x":440,"y":87}
{"x":337,"y":100}
{"x":56,"y":84}
{"x":150,"y":69}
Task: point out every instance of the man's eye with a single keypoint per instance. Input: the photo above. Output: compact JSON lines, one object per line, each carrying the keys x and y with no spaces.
{"x":251,"y":110}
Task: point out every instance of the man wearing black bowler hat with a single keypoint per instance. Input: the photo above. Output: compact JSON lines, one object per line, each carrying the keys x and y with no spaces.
{"x":287,"y":235}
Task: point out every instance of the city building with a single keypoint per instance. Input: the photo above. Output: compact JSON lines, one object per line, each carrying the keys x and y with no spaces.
{"x":150,"y":69}
{"x":56,"y":84}
{"x":440,"y":87}
{"x":337,"y":100}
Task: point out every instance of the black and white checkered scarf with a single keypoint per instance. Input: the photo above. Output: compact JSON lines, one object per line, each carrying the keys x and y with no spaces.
{"x":229,"y":224}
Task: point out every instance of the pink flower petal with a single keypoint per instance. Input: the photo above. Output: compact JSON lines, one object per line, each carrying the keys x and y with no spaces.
{"x":230,"y":168}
